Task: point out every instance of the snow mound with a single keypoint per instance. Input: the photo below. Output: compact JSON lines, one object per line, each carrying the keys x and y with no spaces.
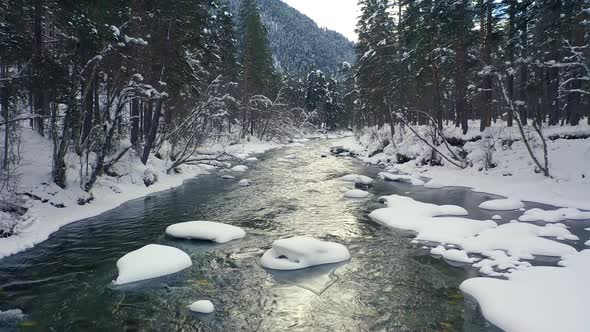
{"x":251,"y":159}
{"x":439,"y":251}
{"x":206,"y":230}
{"x":290,"y":157}
{"x":539,"y":298}
{"x":357,"y":179}
{"x":356,"y":193}
{"x":521,"y":240}
{"x":149,"y":262}
{"x":554,"y":215}
{"x":228,"y":177}
{"x":499,"y":260}
{"x":202,"y":306}
{"x":401,"y":178}
{"x":458,"y":256}
{"x":300,"y":252}
{"x":496,"y":217}
{"x":245,"y":183}
{"x":503,"y":204}
{"x":434,"y":184}
{"x":239,"y":168}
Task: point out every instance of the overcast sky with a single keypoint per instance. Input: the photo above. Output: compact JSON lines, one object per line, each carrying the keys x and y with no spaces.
{"x":338,"y":15}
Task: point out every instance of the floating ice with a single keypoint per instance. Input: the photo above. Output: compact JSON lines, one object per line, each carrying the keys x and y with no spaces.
{"x":149,"y":262}
{"x":239,"y":168}
{"x":358,"y":179}
{"x":356,"y":193}
{"x":206,"y":230}
{"x":458,"y":256}
{"x":202,"y":306}
{"x":539,"y":298}
{"x":401,"y":178}
{"x":503,"y":204}
{"x":300,"y":252}
{"x":245,"y":183}
{"x":554,"y":215}
{"x":521,"y":240}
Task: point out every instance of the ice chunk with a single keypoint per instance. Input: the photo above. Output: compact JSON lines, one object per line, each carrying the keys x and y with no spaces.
{"x":206,"y":230}
{"x":458,"y":256}
{"x":401,"y":178}
{"x":539,"y":298}
{"x":554,"y":215}
{"x":245,"y":183}
{"x":300,"y":252}
{"x":358,"y":179}
{"x":496,"y":217}
{"x":503,"y":204}
{"x":239,"y":168}
{"x":356,"y":193}
{"x":149,"y":262}
{"x":202,"y":306}
{"x":521,"y":240}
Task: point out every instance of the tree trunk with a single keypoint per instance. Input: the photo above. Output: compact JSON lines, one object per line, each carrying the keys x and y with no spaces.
{"x":461,"y":86}
{"x":151,"y":138}
{"x":37,"y":67}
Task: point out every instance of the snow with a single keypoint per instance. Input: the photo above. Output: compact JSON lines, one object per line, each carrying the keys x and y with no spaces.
{"x":45,"y":217}
{"x":439,"y":250}
{"x":245,"y":183}
{"x":521,"y":240}
{"x":496,"y":217}
{"x":357,"y":179}
{"x":459,"y":256}
{"x":228,"y":177}
{"x":290,"y":157}
{"x":239,"y":168}
{"x":503,"y":204}
{"x":202,"y":306}
{"x":553,"y":216}
{"x":540,"y":298}
{"x":206,"y":230}
{"x":401,"y":178}
{"x":356,"y":193}
{"x":251,"y":159}
{"x":498,"y":260}
{"x":300,"y":252}
{"x":151,"y":261}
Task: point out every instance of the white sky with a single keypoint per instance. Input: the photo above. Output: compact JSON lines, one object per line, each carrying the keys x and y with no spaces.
{"x":337,"y":15}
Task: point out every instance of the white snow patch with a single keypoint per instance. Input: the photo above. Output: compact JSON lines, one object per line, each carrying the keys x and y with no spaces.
{"x":149,"y":262}
{"x":245,"y":183}
{"x":206,"y":230}
{"x":554,"y":215}
{"x":356,"y":178}
{"x":202,"y":306}
{"x":401,"y":178}
{"x":539,"y":298}
{"x":458,"y":256}
{"x":239,"y":168}
{"x":300,"y":252}
{"x":503,"y":204}
{"x":356,"y":193}
{"x":228,"y":177}
{"x":439,"y":251}
{"x":290,"y":157}
{"x":496,"y":217}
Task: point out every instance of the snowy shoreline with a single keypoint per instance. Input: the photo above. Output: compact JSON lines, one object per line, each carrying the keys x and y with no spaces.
{"x":59,"y":207}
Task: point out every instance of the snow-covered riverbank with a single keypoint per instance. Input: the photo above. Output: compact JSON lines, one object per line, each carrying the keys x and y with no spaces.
{"x":49,"y":207}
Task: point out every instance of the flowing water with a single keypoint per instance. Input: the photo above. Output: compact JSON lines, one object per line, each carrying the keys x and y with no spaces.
{"x":64,"y":283}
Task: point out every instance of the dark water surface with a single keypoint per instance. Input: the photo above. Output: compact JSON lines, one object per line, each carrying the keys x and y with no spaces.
{"x":64,"y":284}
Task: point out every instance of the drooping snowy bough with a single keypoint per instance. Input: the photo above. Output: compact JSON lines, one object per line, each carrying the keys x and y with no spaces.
{"x":205,"y":230}
{"x":300,"y":252}
{"x":151,"y":261}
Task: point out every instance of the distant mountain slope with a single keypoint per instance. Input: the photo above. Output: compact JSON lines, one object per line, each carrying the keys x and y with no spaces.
{"x":298,"y":43}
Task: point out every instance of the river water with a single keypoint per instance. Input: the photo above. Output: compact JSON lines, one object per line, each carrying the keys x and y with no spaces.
{"x":390,"y":284}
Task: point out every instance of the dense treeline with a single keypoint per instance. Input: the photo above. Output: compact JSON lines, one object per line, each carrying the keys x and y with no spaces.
{"x":157,"y":78}
{"x":522,"y":61}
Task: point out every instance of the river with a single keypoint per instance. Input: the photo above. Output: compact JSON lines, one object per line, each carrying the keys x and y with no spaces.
{"x":64,"y":283}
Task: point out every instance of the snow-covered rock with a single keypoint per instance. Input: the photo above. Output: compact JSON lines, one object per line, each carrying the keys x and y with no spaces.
{"x":290,"y":157}
{"x":357,"y":179}
{"x":245,"y":183}
{"x":458,"y":256}
{"x":206,"y":230}
{"x":503,"y":204}
{"x":434,"y":184}
{"x":251,"y":159}
{"x":439,"y":251}
{"x":300,"y":252}
{"x":356,"y":193}
{"x":496,"y":217}
{"x":202,"y":307}
{"x":401,"y":178}
{"x":521,"y":240}
{"x":149,"y":262}
{"x":537,"y":214}
{"x":539,"y":298}
{"x":499,"y":260}
{"x":149,"y":177}
{"x":239,"y":168}
{"x":228,"y":177}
